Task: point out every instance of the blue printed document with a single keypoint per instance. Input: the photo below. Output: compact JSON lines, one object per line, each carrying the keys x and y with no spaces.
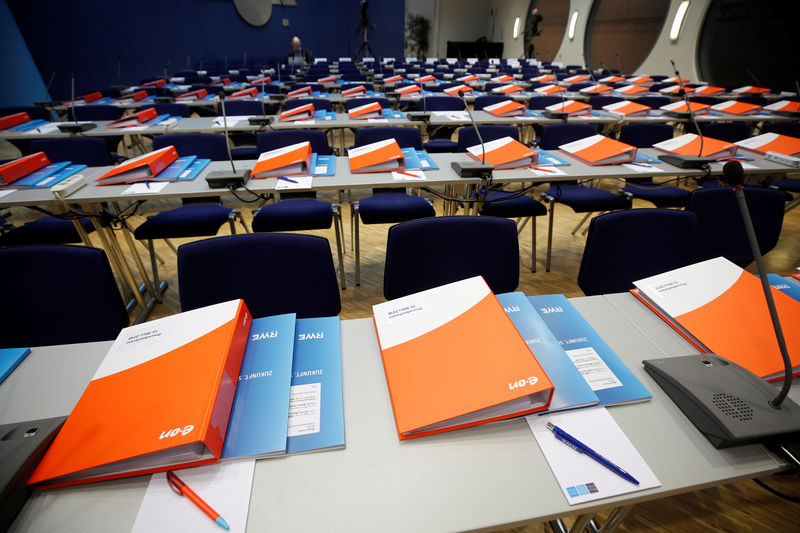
{"x":49,"y":175}
{"x":550,"y":158}
{"x":10,"y":358}
{"x":323,"y":165}
{"x":418,"y":160}
{"x":610,"y":379}
{"x":787,"y":287}
{"x":257,"y":425}
{"x":316,"y":410}
{"x":570,"y":388}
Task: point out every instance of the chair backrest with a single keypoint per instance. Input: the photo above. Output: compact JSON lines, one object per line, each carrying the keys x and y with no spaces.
{"x":35,"y":113}
{"x":348,"y":84}
{"x":90,"y":151}
{"x":319,"y":103}
{"x":46,"y":310}
{"x":541,"y":102}
{"x":240,"y":107}
{"x":720,"y":227}
{"x":315,"y":87}
{"x":364,"y":100}
{"x":174,"y":109}
{"x":300,"y":266}
{"x":645,"y":135}
{"x":625,"y":246}
{"x":406,"y":137}
{"x":440,"y":103}
{"x":755,"y":99}
{"x":425,"y":253}
{"x":654,"y":101}
{"x":94,"y":112}
{"x":575,"y":87}
{"x":726,"y":131}
{"x":554,"y":135}
{"x":205,"y":145}
{"x":703,"y":99}
{"x":468,"y":137}
{"x":489,"y":99}
{"x":792,"y":129}
{"x":599,"y":100}
{"x":271,"y":140}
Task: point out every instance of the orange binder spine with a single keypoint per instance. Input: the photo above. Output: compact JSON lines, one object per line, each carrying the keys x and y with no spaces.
{"x":302,"y":112}
{"x":19,"y":168}
{"x":246,"y":93}
{"x":194,"y":95}
{"x":91,"y":97}
{"x":16,"y":119}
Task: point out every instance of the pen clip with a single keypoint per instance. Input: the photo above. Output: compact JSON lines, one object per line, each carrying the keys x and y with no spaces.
{"x":172,"y":481}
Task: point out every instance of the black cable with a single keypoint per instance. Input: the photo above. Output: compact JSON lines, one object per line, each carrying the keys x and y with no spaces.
{"x":258,"y":196}
{"x":779,"y":494}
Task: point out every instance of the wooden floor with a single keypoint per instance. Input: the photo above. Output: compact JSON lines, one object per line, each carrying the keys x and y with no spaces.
{"x":741,"y":506}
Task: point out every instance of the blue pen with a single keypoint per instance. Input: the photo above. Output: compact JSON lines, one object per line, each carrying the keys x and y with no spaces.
{"x":579,"y":447}
{"x":284,"y":178}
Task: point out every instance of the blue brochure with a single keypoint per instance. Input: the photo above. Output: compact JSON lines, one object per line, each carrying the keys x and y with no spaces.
{"x":176,"y":168}
{"x":604,"y":371}
{"x":316,"y":410}
{"x":35,"y":177}
{"x":10,"y":358}
{"x":323,"y":165}
{"x":257,"y":425}
{"x":321,"y":114}
{"x":570,"y":389}
{"x":31,"y":124}
{"x":392,"y":113}
{"x":59,"y":176}
{"x":551,"y":158}
{"x":194,"y":170}
{"x":786,"y":287}
{"x":418,"y":160}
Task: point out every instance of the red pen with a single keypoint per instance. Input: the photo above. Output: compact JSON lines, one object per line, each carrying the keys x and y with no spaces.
{"x":180,"y":488}
{"x":407,"y":173}
{"x":543,"y":169}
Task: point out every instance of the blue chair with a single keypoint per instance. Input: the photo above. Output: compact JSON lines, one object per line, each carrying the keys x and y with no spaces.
{"x":599,"y":100}
{"x":246,"y":138}
{"x":174,"y":109}
{"x":702,"y":99}
{"x":191,"y":219}
{"x":580,"y":198}
{"x":489,"y":99}
{"x":93,"y":112}
{"x":46,"y":310}
{"x":654,"y":101}
{"x":315,"y":87}
{"x":300,"y":267}
{"x":387,"y":206}
{"x":299,"y":211}
{"x":726,"y":131}
{"x":720,"y":227}
{"x":90,"y":151}
{"x":319,"y":103}
{"x":792,"y":129}
{"x":755,"y":99}
{"x":359,"y":82}
{"x":645,"y":136}
{"x":426,"y":253}
{"x":626,"y":246}
{"x":442,"y":143}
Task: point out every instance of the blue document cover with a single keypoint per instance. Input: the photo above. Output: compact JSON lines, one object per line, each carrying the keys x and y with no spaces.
{"x":323,"y":165}
{"x":418,"y":160}
{"x":10,"y":358}
{"x":194,"y":170}
{"x":316,"y":410}
{"x":31,"y":124}
{"x":321,"y":114}
{"x":550,"y":158}
{"x":392,"y":113}
{"x":570,"y":389}
{"x":59,"y":176}
{"x":43,"y":173}
{"x":257,"y":425}
{"x":604,"y":371}
{"x":787,"y":287}
{"x":176,"y":168}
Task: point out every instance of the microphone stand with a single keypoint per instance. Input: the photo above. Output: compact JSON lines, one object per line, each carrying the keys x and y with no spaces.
{"x":232,"y":179}
{"x":473,"y":169}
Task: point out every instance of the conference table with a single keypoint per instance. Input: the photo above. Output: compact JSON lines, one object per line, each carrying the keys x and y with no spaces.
{"x":489,"y":476}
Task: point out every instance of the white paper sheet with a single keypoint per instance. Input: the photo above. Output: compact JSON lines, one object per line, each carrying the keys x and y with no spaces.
{"x":417,"y":175}
{"x":146,"y":187}
{"x":302,"y":182}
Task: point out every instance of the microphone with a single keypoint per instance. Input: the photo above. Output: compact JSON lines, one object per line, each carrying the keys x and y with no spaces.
{"x":560,"y":115}
{"x":685,"y":161}
{"x":698,"y":383}
{"x":473,"y":169}
{"x":263,"y":119}
{"x":74,"y":127}
{"x":220,"y":179}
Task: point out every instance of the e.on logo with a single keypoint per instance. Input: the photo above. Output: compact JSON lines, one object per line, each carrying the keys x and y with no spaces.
{"x":185,"y":430}
{"x":522,"y":382}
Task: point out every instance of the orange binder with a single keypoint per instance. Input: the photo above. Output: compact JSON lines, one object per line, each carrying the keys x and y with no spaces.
{"x":19,"y":168}
{"x":134,"y":119}
{"x":303,"y":112}
{"x":641,"y":80}
{"x":749,"y":89}
{"x":442,"y":374}
{"x":626,"y":108}
{"x":680,"y":107}
{"x":550,"y":89}
{"x":9,"y":121}
{"x":370,"y":110}
{"x":302,"y":92}
{"x":453,"y":91}
{"x":327,"y":79}
{"x":132,"y":97}
{"x":506,"y":108}
{"x":502,"y":78}
{"x":154,"y":83}
{"x":675,"y":80}
{"x":611,"y":79}
{"x":91,"y":97}
{"x":597,"y":89}
{"x":507,"y":89}
{"x":409,"y":89}
{"x":393,"y":79}
{"x":632,"y":90}
{"x":578,"y":78}
{"x":504,"y":153}
{"x":467,"y":78}
{"x":772,"y":142}
{"x":709,"y":90}
{"x":734,"y":107}
{"x":544,"y":78}
{"x":140,"y":168}
{"x":194,"y":95}
{"x":573,"y":107}
{"x":252,"y":92}
{"x":423,"y":79}
{"x":381,"y":156}
{"x":675,"y":89}
{"x":689,"y":144}
{"x":354,"y":91}
{"x":222,"y":81}
{"x":600,"y":150}
{"x":160,"y":399}
{"x":721,"y":308}
{"x":292,"y":159}
{"x":261,"y":81}
{"x":783,"y":105}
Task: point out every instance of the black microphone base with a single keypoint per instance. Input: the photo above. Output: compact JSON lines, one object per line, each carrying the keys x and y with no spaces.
{"x":226,"y":179}
{"x":685,"y":161}
{"x":560,"y":115}
{"x":419,"y":116}
{"x":46,"y":103}
{"x":71,"y":127}
{"x":726,"y":402}
{"x":472,"y":169}
{"x":162,"y":100}
{"x":260,"y":120}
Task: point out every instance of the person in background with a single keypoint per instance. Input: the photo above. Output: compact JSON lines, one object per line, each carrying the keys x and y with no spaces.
{"x":297,"y":54}
{"x":532,"y":30}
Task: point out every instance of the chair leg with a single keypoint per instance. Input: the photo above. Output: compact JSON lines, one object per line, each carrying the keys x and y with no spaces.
{"x":550,"y":236}
{"x":341,"y":228}
{"x":584,"y":219}
{"x":172,"y":246}
{"x":357,"y":240}
{"x":533,"y":244}
{"x":237,"y":215}
{"x":154,"y":266}
{"x":337,"y":218}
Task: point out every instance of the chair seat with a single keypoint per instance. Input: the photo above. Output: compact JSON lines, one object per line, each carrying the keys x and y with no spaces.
{"x":587,"y":199}
{"x":294,"y":215}
{"x":194,"y":220}
{"x":244,"y":152}
{"x":390,"y":208}
{"x":661,"y":196}
{"x":48,"y":230}
{"x":438,"y":146}
{"x":786,"y":184}
{"x":522,"y":206}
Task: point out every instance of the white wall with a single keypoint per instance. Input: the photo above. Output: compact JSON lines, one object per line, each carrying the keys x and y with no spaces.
{"x":505,"y":11}
{"x":571,"y":51}
{"x":459,"y":20}
{"x":428,"y":9}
